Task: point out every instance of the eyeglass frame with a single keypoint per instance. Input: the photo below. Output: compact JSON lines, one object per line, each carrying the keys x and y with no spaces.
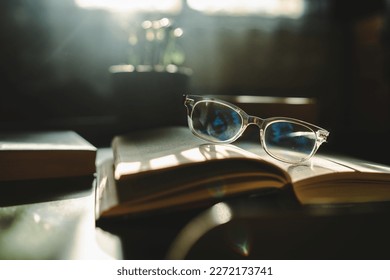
{"x":190,"y":101}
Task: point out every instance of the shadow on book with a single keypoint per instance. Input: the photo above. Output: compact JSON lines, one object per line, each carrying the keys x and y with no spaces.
{"x":43,"y":190}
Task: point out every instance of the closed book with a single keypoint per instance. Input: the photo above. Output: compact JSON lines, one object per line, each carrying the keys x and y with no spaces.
{"x":45,"y":155}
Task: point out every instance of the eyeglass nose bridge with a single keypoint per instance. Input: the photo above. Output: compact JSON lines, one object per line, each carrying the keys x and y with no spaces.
{"x":255,"y":120}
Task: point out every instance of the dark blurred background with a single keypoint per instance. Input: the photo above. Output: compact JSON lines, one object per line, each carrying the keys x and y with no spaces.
{"x":55,"y":58}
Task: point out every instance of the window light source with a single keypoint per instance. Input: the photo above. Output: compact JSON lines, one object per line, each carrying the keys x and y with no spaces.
{"x":273,"y":8}
{"x":167,"y":6}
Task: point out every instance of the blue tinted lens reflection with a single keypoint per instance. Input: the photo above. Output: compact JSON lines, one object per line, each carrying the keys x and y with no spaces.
{"x":215,"y":121}
{"x":289,"y":141}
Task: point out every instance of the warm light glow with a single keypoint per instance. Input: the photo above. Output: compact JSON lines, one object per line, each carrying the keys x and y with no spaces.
{"x":211,"y":151}
{"x":205,"y":152}
{"x":169,"y":6}
{"x":127,"y":168}
{"x":193,"y":155}
{"x":164,"y":162}
{"x":121,"y":68}
{"x":252,"y":99}
{"x":287,"y":8}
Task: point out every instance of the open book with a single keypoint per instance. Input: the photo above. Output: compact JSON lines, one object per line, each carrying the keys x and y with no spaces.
{"x":169,"y":167}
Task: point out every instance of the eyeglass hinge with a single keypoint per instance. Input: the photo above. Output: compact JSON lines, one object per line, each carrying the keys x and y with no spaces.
{"x":187,"y":100}
{"x":322,"y":135}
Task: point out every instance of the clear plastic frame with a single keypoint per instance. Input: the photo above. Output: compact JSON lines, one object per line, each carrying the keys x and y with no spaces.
{"x":285,"y":139}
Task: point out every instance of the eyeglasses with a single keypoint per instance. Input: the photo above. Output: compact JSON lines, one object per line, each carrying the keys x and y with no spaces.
{"x":285,"y":139}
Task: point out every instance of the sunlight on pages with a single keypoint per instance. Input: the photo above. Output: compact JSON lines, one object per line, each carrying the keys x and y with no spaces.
{"x":163,"y":162}
{"x":193,"y":155}
{"x":127,"y":167}
{"x":207,"y":152}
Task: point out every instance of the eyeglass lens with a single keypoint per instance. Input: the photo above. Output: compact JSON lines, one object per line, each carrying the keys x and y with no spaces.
{"x":289,"y":141}
{"x":215,"y":121}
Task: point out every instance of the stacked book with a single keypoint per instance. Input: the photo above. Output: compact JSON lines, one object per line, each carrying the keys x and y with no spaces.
{"x":33,"y":164}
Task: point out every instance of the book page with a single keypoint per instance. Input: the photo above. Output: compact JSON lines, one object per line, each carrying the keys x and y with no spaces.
{"x":358,"y":164}
{"x":335,"y":179}
{"x":319,"y":164}
{"x":168,"y":148}
{"x":316,"y":166}
{"x":342,"y":166}
{"x":169,"y":167}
